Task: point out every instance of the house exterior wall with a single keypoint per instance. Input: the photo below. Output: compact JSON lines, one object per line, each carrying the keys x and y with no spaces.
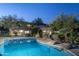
{"x":19,"y":32}
{"x":46,"y":32}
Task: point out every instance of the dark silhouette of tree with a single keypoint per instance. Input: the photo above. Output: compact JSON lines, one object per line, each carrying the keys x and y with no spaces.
{"x":38,"y":21}
{"x":12,"y":21}
{"x":36,"y":31}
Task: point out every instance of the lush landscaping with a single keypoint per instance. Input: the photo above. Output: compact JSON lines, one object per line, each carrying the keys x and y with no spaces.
{"x":66,"y":25}
{"x":9,"y":22}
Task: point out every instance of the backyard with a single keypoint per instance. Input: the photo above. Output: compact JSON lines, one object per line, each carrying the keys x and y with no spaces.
{"x":39,"y":29}
{"x":63,"y":32}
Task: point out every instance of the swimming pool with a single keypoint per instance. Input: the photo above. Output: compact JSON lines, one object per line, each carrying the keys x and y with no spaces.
{"x":30,"y":47}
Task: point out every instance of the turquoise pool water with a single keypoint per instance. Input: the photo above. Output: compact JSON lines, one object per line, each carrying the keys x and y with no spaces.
{"x":30,"y":47}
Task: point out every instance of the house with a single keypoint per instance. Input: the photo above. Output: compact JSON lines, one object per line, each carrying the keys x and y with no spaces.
{"x":46,"y":30}
{"x":21,"y":31}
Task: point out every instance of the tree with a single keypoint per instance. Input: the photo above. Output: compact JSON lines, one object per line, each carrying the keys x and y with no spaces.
{"x":9,"y":21}
{"x":71,"y":22}
{"x":38,"y":21}
{"x":36,"y":31}
{"x":67,"y":24}
{"x":12,"y":21}
{"x":58,"y":23}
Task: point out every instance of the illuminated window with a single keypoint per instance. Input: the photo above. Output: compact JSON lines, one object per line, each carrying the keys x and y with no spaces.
{"x":27,"y":32}
{"x":21,"y":30}
{"x":44,"y":31}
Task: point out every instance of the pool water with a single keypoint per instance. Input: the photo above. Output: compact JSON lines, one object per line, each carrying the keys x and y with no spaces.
{"x":30,"y":47}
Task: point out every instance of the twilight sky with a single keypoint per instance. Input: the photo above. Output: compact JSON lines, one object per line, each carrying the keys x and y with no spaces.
{"x":30,"y":11}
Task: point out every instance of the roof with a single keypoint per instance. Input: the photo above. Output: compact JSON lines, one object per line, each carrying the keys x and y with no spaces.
{"x":22,"y":28}
{"x":43,"y":27}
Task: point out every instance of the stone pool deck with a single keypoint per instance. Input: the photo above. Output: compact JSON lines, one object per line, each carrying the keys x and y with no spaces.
{"x":1,"y":39}
{"x":63,"y":46}
{"x":46,"y":41}
{"x":76,"y":51}
{"x":51,"y":42}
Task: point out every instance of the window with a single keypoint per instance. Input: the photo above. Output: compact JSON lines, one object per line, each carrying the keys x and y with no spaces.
{"x":27,"y":32}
